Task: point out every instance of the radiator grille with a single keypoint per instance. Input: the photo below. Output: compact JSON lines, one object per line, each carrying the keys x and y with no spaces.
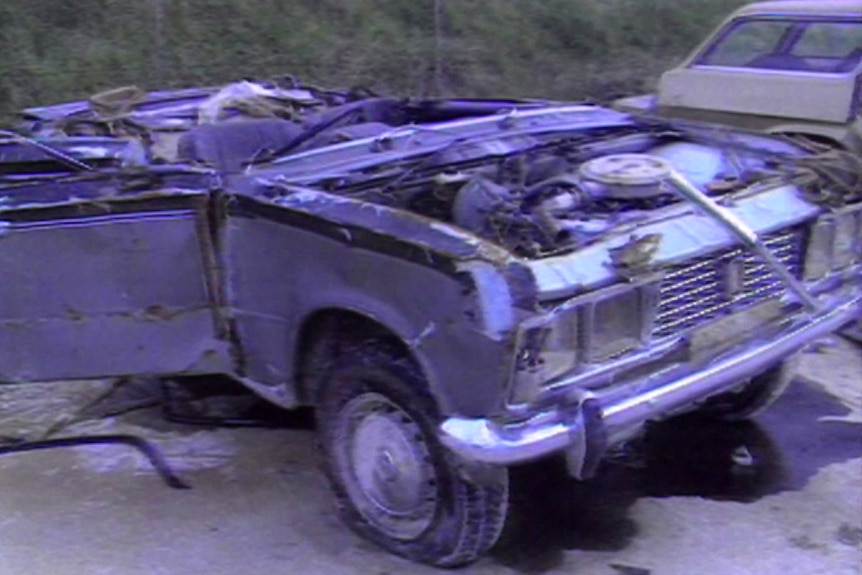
{"x":717,"y":284}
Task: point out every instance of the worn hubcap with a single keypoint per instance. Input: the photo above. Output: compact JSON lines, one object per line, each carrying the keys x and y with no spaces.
{"x":392,"y":481}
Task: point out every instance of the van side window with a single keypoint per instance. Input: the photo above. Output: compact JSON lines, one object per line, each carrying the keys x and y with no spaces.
{"x":826,"y":46}
{"x":744,"y":42}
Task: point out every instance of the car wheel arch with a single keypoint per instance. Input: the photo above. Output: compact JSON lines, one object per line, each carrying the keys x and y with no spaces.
{"x":326,"y":333}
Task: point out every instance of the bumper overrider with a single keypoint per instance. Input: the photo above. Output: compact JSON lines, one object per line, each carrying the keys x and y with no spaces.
{"x":583,"y":424}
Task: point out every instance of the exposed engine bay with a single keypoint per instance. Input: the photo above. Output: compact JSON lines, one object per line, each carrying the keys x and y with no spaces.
{"x":549,"y":197}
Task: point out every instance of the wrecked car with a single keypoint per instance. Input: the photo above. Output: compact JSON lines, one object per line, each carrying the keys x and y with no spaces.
{"x":455,"y":289}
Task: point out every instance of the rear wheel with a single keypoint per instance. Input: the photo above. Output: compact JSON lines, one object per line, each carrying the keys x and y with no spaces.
{"x":394,"y":483}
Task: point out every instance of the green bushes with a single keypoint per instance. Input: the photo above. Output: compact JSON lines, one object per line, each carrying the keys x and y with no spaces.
{"x":55,"y":50}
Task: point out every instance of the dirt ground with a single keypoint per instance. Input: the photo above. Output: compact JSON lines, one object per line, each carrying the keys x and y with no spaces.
{"x":780,"y":495}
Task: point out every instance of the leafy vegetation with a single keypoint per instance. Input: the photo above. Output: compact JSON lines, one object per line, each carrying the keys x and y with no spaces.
{"x":56,"y":50}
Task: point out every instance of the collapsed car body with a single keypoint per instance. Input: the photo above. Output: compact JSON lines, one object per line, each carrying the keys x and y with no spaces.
{"x":456,"y":288}
{"x":158,"y":120}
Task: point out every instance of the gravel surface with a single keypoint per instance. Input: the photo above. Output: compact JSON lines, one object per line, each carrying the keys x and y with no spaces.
{"x":781,"y":495}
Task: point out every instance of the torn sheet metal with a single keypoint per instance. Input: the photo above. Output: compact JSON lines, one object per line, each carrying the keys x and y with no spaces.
{"x":109,"y":293}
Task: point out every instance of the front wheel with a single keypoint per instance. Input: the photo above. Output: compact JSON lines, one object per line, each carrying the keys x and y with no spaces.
{"x":394,"y":483}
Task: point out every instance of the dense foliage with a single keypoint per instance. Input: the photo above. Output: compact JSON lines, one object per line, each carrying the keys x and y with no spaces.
{"x":56,"y":50}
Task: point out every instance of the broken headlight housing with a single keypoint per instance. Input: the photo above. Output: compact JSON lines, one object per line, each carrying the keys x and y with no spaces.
{"x":586,"y":330}
{"x":547,"y":347}
{"x":835,"y":243}
{"x":615,"y":325}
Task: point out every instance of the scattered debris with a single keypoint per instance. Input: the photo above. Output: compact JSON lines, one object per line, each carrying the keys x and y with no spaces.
{"x":742,"y":456}
{"x":629,"y":570}
{"x":821,"y":345}
{"x":148,"y":449}
{"x":849,"y":535}
{"x":217,"y":402}
{"x":188,"y":404}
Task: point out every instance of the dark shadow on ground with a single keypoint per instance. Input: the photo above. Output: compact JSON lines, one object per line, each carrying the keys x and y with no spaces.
{"x":809,"y":444}
{"x":688,"y":456}
{"x":211,"y":401}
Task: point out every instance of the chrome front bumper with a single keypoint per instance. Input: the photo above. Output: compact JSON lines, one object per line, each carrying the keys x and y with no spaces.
{"x":585,"y":424}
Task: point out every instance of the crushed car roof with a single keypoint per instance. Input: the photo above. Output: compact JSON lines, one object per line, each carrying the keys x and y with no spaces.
{"x":263,"y":119}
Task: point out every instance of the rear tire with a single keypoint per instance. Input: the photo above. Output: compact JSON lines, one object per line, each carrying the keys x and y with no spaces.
{"x":394,"y":483}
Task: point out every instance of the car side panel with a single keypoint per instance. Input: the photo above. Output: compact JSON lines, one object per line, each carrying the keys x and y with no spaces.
{"x":110,"y":289}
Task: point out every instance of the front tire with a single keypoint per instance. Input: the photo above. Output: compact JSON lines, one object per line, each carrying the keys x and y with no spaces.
{"x":394,"y":483}
{"x":755,"y":396}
